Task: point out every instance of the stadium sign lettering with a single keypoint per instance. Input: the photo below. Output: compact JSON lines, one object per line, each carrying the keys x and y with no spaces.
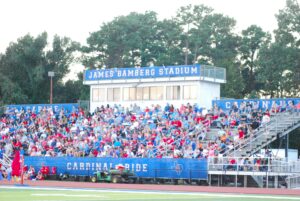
{"x":261,"y":103}
{"x":136,"y":167}
{"x":37,"y":108}
{"x":144,"y":72}
{"x":142,"y":167}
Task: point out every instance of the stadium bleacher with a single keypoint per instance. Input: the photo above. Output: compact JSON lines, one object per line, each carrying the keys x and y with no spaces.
{"x":114,"y":131}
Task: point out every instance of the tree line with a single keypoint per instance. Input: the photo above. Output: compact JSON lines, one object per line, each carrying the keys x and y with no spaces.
{"x":257,"y":62}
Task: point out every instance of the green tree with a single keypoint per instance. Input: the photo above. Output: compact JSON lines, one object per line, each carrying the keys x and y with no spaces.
{"x":73,"y":90}
{"x":126,"y":41}
{"x":23,"y":64}
{"x":168,"y":49}
{"x":253,"y":38}
{"x":191,"y":18}
{"x":219,"y":47}
{"x":10,"y":92}
{"x":288,"y":37}
{"x":280,"y":65}
{"x":209,"y":39}
{"x":58,"y":59}
{"x":272,"y":61}
{"x":25,"y":67}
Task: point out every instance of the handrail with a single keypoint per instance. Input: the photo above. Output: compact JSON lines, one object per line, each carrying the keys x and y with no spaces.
{"x":293,"y":181}
{"x":259,"y":132}
{"x":266,"y":164}
{"x":5,"y":161}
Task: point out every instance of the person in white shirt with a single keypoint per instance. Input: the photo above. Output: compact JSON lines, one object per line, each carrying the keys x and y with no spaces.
{"x":266,"y":119}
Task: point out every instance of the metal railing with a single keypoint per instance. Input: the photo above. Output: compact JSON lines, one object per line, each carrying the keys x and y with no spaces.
{"x":278,"y":126}
{"x":293,"y":181}
{"x":5,"y":161}
{"x":213,"y":72}
{"x":253,"y":164}
{"x":260,"y":169}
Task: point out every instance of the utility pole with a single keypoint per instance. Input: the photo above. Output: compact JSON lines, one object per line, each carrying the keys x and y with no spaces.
{"x":51,"y":75}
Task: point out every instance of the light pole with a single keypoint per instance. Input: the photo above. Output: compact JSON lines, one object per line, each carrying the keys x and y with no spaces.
{"x":51,"y":75}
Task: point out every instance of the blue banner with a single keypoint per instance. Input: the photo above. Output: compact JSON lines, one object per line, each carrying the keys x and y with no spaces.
{"x":142,"y":167}
{"x":38,"y":107}
{"x":143,"y":72}
{"x":262,"y":103}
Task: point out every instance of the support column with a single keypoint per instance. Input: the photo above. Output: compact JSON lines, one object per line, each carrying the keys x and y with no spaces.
{"x":221,"y":180}
{"x":245,"y":181}
{"x":276,"y":181}
{"x":286,"y":147}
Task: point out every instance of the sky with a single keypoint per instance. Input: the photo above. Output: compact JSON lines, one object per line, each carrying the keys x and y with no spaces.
{"x":78,"y":18}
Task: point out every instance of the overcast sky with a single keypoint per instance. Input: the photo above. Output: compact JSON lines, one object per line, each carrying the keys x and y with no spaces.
{"x":77,"y":18}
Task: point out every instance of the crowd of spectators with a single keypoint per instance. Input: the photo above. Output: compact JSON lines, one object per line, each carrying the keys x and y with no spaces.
{"x":116,"y":131}
{"x":243,"y":164}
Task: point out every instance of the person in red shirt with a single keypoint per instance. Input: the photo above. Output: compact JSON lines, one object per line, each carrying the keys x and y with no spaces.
{"x":232,"y":164}
{"x":241,"y":134}
{"x":17,"y":144}
{"x":124,"y":155}
{"x":16,"y":165}
{"x":95,"y":153}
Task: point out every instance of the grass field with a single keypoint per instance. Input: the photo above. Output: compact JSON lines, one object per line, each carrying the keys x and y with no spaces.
{"x":59,"y":194}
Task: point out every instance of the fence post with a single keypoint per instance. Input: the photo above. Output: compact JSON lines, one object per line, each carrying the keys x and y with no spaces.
{"x":22,"y":170}
{"x":190,"y":178}
{"x":267,"y":180}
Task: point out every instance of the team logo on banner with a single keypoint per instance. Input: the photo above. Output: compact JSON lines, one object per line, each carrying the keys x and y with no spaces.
{"x":178,"y":168}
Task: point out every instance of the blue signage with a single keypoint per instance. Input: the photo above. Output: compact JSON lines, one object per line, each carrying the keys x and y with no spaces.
{"x":38,"y":107}
{"x":144,"y":72}
{"x":142,"y":167}
{"x":263,"y":104}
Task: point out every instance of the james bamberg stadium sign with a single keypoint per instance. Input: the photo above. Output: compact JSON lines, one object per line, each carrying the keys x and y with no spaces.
{"x":144,"y":72}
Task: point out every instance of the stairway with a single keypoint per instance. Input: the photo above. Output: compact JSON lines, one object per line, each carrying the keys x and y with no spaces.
{"x":293,"y":181}
{"x":280,"y":125}
{"x":258,"y":180}
{"x":5,"y":161}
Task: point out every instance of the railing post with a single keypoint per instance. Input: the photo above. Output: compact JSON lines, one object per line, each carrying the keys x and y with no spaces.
{"x":269,"y":163}
{"x":22,"y":170}
{"x":155,"y":175}
{"x":190,"y":178}
{"x":267,"y":179}
{"x":276,"y":121}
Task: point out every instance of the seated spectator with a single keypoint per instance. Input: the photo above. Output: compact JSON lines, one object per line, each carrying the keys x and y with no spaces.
{"x":40,"y":176}
{"x":31,"y":173}
{"x":117,"y":131}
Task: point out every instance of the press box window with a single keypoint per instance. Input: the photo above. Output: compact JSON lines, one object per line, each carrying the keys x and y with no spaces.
{"x":129,"y":94}
{"x":139,"y":93}
{"x":173,"y":92}
{"x":113,"y":94}
{"x":156,"y":93}
{"x":98,"y":95}
{"x":146,"y":93}
{"x":190,"y":92}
